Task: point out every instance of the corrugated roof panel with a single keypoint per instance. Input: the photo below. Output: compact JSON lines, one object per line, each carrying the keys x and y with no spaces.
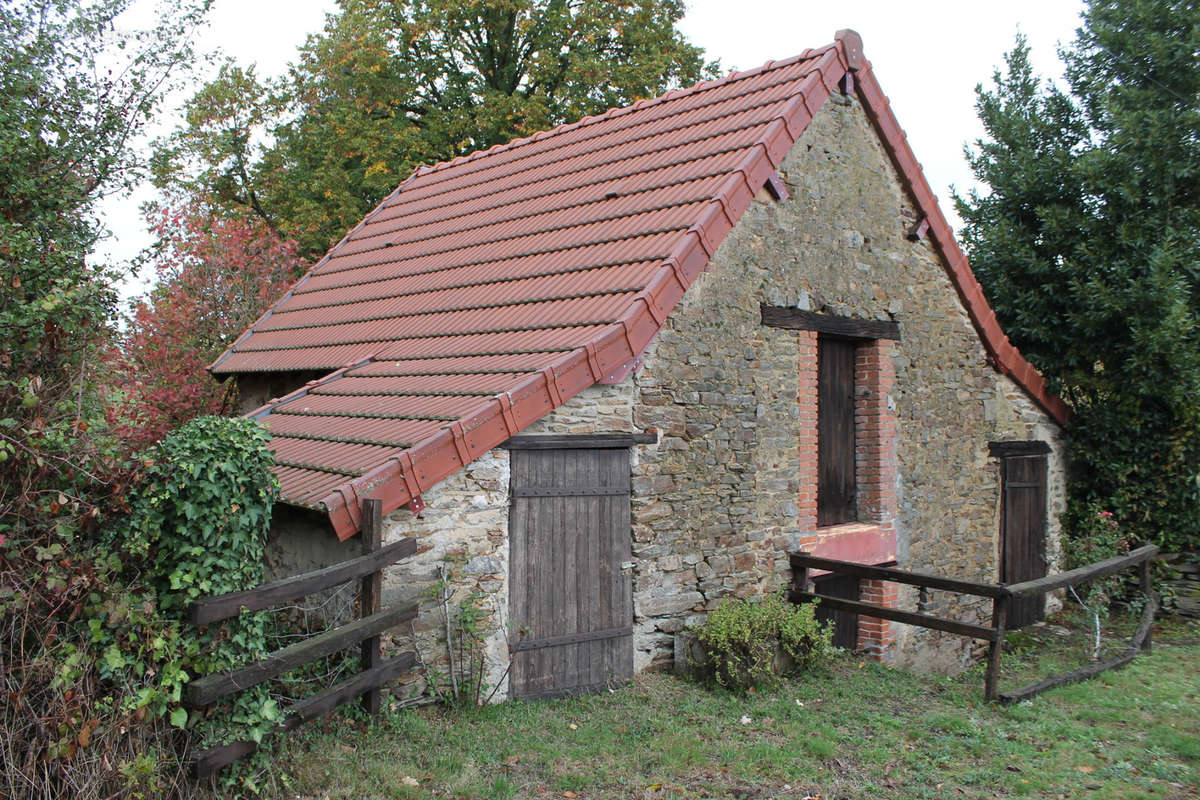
{"x":566,"y":189}
{"x":502,"y":293}
{"x":421,"y":407}
{"x":351,"y":460}
{"x":653,"y":247}
{"x":410,"y":258}
{"x":545,"y":211}
{"x":463,"y":365}
{"x":478,"y":320}
{"x":623,"y":128}
{"x":559,"y":339}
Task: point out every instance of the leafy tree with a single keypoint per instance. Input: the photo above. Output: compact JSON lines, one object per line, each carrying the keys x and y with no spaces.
{"x":215,"y":277}
{"x":75,"y":89}
{"x":391,"y":84}
{"x":1088,"y":246}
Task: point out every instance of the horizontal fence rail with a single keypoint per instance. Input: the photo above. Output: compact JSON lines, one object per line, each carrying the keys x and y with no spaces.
{"x":1000,"y":595}
{"x":364,"y":631}
{"x":215,"y":609}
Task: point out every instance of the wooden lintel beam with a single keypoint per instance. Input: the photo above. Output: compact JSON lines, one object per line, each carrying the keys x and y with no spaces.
{"x":581,"y":441}
{"x":830,"y":324}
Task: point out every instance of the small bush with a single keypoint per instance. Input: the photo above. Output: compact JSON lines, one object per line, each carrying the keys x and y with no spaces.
{"x":749,"y":643}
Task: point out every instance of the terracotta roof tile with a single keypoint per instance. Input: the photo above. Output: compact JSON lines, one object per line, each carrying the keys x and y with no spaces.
{"x":485,"y":291}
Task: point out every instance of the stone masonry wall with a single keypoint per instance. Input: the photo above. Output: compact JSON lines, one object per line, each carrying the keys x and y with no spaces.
{"x":461,"y":542}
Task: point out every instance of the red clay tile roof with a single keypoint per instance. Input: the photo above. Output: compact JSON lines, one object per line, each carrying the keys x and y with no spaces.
{"x":486,"y":291}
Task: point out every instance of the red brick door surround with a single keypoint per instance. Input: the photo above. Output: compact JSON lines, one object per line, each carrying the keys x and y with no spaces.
{"x":872,"y":538}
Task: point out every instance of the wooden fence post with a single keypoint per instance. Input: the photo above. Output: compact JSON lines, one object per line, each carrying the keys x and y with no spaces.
{"x":369,"y":596}
{"x":996,"y":647}
{"x":1148,"y":593}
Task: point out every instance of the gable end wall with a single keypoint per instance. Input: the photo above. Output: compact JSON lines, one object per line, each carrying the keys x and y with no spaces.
{"x":720,"y":499}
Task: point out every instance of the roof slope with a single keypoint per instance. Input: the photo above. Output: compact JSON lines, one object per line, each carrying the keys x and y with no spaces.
{"x":486,"y":291}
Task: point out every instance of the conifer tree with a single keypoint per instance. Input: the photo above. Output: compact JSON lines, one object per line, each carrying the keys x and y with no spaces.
{"x":1087,"y":243}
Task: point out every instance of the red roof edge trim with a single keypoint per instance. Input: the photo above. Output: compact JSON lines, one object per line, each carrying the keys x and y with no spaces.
{"x":416,"y":173}
{"x":1007,"y":358}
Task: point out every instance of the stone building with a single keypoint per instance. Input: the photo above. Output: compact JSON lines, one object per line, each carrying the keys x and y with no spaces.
{"x":610,"y":374}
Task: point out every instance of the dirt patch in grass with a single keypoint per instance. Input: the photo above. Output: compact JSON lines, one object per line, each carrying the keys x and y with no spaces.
{"x":856,"y":730}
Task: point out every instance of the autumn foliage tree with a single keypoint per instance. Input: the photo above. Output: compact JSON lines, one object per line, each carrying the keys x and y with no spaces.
{"x":215,"y":275}
{"x":392,"y":84}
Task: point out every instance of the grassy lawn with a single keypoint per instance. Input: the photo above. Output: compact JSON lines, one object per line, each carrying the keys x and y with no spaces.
{"x":856,"y":730}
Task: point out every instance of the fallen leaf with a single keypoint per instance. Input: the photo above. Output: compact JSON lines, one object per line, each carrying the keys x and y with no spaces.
{"x":409,"y":780}
{"x":573,"y":726}
{"x":569,"y":793}
{"x":1086,"y":769}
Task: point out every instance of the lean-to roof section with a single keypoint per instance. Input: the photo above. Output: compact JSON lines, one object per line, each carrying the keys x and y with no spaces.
{"x":488,"y":290}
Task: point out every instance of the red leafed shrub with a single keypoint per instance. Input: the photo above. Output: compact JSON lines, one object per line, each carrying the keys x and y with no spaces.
{"x":215,"y":276}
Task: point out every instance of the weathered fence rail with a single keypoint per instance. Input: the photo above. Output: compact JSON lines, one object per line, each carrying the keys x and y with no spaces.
{"x":364,"y":631}
{"x":1001,"y":597}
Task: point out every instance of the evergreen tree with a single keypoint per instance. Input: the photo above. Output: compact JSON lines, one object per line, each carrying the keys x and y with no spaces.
{"x":1088,"y":247}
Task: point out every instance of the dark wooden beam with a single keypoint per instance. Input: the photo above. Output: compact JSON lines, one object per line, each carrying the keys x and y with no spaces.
{"x":991,"y":678}
{"x":214,"y":609}
{"x":209,"y":761}
{"x":804,"y":560}
{"x":776,"y":187}
{"x":1008,"y":449}
{"x":211,"y":688}
{"x":581,"y":441}
{"x":918,"y":230}
{"x":369,"y":594}
{"x":1080,"y":574}
{"x":907,"y":617}
{"x":831,"y":324}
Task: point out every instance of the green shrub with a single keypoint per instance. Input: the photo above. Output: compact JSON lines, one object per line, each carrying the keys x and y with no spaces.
{"x":749,"y":643}
{"x":197,"y":527}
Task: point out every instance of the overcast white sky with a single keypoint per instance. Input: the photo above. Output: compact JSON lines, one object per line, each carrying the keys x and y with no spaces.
{"x":928,"y":56}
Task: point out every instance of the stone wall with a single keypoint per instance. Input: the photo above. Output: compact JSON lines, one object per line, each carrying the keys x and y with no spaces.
{"x":461,"y":544}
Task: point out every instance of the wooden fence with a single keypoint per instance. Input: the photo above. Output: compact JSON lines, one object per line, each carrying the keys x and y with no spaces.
{"x":1001,"y":597}
{"x":364,"y":631}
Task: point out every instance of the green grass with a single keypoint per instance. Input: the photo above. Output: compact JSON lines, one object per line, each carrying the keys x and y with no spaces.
{"x":855,"y":730}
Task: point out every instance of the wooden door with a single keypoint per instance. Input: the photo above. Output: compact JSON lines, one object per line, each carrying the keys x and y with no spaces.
{"x":1023,"y":528}
{"x":837,"y":488}
{"x":570,"y":597}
